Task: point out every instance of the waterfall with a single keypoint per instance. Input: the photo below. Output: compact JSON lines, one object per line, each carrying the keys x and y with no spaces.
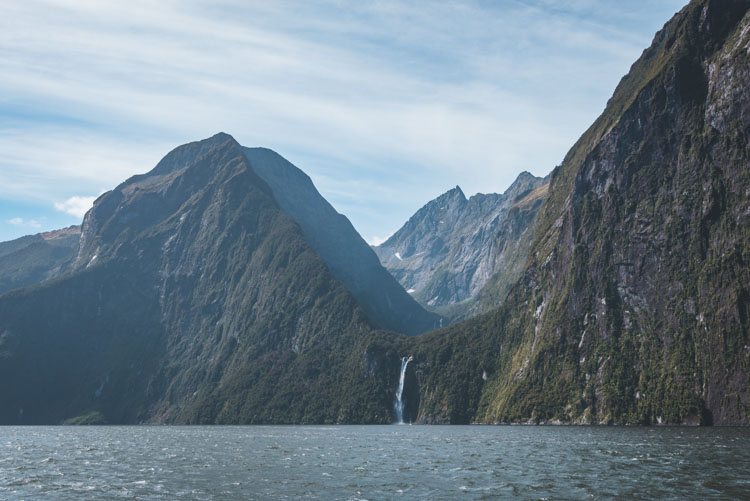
{"x":398,"y":405}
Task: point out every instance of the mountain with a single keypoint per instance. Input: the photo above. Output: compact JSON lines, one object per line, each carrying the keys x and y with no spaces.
{"x":452,"y":247}
{"x":347,"y":255}
{"x":634,"y":304}
{"x":33,"y":259}
{"x":192,"y":298}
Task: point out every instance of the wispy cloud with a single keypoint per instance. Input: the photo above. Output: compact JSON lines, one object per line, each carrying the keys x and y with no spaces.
{"x":24,"y":223}
{"x":75,"y":206}
{"x":377,"y":240}
{"x":43,"y":162}
{"x":404,"y":99}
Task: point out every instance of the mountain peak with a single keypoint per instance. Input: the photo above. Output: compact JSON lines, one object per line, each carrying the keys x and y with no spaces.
{"x":448,"y":249}
{"x":525,"y":175}
{"x":187,"y":153}
{"x":456,"y":192}
{"x":454,"y":195}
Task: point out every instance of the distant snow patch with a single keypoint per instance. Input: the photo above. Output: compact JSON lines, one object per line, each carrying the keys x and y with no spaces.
{"x":398,"y":256}
{"x":411,"y":291}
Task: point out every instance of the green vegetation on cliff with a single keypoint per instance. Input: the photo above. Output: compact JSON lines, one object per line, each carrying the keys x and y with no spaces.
{"x":193,"y":297}
{"x":634,"y":305}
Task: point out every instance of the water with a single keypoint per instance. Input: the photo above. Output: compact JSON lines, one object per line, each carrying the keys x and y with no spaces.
{"x":398,"y":405}
{"x":373,"y":462}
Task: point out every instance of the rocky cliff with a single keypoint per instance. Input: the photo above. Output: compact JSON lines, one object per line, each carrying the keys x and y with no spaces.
{"x":634,"y":304}
{"x":452,"y":247}
{"x":194,"y":297}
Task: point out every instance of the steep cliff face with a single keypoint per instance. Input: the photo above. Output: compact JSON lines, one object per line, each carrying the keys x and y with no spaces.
{"x":33,"y":259}
{"x":192,"y":298}
{"x":452,"y":247}
{"x":195,"y":297}
{"x":634,"y":305}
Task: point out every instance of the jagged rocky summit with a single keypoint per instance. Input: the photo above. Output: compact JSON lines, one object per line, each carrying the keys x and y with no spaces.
{"x":453,"y":247}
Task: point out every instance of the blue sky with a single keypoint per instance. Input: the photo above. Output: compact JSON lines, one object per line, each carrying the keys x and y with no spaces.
{"x":385,"y":104}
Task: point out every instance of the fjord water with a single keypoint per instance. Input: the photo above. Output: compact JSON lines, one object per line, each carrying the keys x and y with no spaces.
{"x":373,"y":462}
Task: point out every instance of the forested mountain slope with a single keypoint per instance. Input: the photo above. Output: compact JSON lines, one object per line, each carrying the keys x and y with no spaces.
{"x":634,"y":304}
{"x":192,"y":298}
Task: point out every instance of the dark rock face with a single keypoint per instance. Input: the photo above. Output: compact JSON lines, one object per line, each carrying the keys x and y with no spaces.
{"x":452,"y":247}
{"x":36,"y":258}
{"x":195,"y":297}
{"x":634,"y":305}
{"x":334,"y":238}
{"x":192,"y":298}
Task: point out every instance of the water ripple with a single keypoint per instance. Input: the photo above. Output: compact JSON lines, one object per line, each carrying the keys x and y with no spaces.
{"x":376,"y":462}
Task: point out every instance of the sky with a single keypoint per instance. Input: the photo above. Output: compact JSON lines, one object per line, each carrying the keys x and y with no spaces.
{"x":384,"y":104}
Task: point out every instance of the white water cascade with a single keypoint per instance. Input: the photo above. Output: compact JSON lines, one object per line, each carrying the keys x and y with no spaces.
{"x":398,"y":405}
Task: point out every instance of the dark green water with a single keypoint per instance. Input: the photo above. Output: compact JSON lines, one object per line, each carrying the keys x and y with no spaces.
{"x":373,"y":462}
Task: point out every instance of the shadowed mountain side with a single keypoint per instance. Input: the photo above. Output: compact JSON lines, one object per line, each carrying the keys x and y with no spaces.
{"x":348,"y":256}
{"x":193,"y":298}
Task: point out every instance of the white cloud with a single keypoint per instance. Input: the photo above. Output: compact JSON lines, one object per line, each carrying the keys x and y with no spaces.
{"x":375,"y":241}
{"x":394,"y":100}
{"x":75,"y":206}
{"x":27,"y":223}
{"x":51,"y":162}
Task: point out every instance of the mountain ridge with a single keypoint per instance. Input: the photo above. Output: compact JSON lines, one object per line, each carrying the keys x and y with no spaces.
{"x":452,"y":247}
{"x":347,"y":255}
{"x":33,"y":259}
